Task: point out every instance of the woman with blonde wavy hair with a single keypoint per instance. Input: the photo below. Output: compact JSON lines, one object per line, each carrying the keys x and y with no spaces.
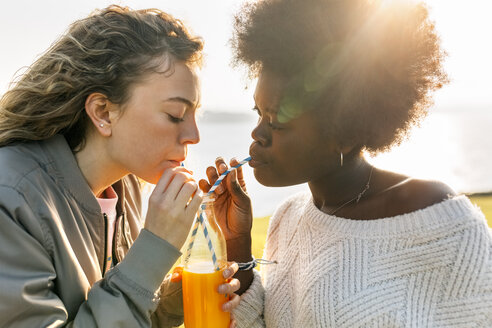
{"x":111,"y":101}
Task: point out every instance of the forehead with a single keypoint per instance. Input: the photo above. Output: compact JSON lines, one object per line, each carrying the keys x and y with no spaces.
{"x":170,"y":80}
{"x":269,"y":91}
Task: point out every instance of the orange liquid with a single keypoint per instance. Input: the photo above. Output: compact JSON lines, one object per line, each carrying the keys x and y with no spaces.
{"x":201,"y":300}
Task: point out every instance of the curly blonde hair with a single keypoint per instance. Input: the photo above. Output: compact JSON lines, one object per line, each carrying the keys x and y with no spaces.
{"x":370,"y":66}
{"x":107,"y":52}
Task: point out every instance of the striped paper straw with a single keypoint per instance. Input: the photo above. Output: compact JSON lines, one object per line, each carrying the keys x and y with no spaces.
{"x":194,"y":230}
{"x":209,"y":241}
{"x":223,"y":175}
{"x":200,"y":218}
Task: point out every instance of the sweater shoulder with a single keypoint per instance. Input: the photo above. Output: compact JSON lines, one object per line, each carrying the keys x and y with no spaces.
{"x":290,"y":209}
{"x":295,"y":202}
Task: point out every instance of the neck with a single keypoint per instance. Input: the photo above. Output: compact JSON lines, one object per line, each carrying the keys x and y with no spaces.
{"x":96,"y":166}
{"x":340,"y":185}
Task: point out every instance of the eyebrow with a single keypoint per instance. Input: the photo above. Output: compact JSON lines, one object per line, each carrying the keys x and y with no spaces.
{"x":187,"y":102}
{"x":268,"y":110}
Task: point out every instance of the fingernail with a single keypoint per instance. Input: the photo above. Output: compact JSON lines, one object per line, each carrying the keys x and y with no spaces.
{"x":222,"y":289}
{"x":226,"y":306}
{"x":222,"y":168}
{"x":227,"y":273}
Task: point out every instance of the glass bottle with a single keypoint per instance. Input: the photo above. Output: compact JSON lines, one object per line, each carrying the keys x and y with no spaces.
{"x":202,"y":271}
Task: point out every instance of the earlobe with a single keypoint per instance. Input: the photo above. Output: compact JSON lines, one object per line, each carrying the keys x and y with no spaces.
{"x":343,"y":151}
{"x":97,"y":108}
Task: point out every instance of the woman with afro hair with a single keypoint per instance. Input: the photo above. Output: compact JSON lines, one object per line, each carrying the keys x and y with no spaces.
{"x":365,"y":247}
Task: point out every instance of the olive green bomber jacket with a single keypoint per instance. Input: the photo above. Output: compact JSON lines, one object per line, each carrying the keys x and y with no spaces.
{"x":52,"y":246}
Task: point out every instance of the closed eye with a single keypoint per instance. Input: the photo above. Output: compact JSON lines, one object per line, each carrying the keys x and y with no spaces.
{"x":270,"y":124}
{"x":274,"y":127}
{"x":175,"y":119}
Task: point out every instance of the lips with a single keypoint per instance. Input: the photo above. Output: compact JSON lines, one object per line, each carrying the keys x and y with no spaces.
{"x":256,"y":159}
{"x":176,"y":162}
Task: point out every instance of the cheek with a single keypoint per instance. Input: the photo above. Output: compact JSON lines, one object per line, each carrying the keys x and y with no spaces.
{"x":298,"y":154}
{"x":292,"y":147}
{"x":151,"y":136}
{"x":136,"y":148}
{"x":285,"y":163}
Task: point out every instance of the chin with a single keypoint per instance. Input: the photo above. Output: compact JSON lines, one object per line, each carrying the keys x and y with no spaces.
{"x":269,"y":180}
{"x":151,"y":178}
{"x":154,"y":177}
{"x":152,"y":181}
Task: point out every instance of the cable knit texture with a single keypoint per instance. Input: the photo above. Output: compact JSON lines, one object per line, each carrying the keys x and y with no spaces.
{"x":428,"y":268}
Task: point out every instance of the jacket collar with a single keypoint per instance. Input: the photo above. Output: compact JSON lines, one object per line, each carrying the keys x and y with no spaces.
{"x":68,"y":173}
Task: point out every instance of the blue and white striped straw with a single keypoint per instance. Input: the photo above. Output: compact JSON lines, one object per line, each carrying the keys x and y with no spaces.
{"x":200,"y":218}
{"x":223,"y":175}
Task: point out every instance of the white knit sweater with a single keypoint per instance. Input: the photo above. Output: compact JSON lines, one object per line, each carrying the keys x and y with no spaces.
{"x":429,"y":268}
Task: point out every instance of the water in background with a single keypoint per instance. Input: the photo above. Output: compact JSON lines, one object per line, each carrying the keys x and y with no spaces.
{"x":451,"y":146}
{"x":229,"y":135}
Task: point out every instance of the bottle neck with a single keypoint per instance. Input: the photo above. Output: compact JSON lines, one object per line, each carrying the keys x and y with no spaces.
{"x":208,"y":244}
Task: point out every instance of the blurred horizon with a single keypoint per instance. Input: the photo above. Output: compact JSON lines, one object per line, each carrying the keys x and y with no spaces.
{"x":457,"y":155}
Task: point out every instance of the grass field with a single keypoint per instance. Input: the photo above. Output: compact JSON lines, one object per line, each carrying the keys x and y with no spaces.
{"x":485,"y":204}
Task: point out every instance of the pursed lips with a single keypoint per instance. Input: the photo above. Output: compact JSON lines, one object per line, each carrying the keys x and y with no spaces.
{"x":256,"y":159}
{"x":175,"y":162}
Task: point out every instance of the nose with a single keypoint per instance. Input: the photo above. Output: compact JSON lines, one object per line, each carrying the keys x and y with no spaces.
{"x":261,"y":133}
{"x":190,"y":134}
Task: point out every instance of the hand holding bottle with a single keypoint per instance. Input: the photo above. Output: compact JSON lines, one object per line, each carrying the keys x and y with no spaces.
{"x":204,"y":263}
{"x":234,"y":214}
{"x":173,"y":205}
{"x":232,"y":204}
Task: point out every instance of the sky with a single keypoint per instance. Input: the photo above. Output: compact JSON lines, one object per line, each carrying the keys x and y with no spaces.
{"x":27,"y":28}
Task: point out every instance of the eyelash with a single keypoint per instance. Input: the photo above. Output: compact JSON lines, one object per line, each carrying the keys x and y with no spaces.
{"x":175,"y":119}
{"x":273,"y":127}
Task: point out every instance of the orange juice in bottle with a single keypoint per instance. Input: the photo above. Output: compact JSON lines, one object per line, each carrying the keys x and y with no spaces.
{"x":202,"y":303}
{"x":202,"y":273}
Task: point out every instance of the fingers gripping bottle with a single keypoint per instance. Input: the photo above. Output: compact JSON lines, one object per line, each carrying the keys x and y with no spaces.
{"x":203,"y":262}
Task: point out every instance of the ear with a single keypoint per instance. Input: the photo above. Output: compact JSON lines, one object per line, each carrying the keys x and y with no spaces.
{"x":345,"y":149}
{"x":97,"y":107}
{"x":345,"y":152}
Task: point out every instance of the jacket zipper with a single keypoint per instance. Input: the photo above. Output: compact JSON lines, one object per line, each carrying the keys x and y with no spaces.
{"x":105,"y":261}
{"x":114,"y":242}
